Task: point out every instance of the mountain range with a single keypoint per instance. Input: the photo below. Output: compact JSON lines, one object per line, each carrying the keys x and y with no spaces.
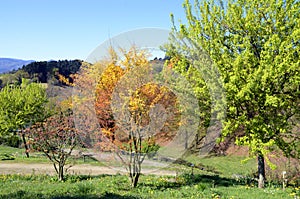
{"x":9,"y":64}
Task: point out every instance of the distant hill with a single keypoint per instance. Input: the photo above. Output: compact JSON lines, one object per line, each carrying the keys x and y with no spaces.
{"x":9,"y":64}
{"x":41,"y":71}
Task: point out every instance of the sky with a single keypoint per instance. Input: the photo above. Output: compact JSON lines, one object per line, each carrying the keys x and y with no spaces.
{"x":44,"y":30}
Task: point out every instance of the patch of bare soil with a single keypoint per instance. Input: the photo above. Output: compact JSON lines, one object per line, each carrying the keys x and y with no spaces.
{"x":82,"y":169}
{"x":237,"y":150}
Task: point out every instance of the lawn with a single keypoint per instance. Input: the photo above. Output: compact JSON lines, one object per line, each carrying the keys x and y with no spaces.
{"x":214,"y":177}
{"x":227,"y":166}
{"x":17,"y":155}
{"x":117,"y":186}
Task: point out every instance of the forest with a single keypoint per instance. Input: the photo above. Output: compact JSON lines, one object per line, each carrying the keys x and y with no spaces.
{"x":42,"y":72}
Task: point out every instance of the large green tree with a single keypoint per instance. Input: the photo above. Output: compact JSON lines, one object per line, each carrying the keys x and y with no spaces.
{"x":20,"y":107}
{"x":254,"y":44}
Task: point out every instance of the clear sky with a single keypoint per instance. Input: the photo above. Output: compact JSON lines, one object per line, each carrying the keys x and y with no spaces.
{"x":71,"y":29}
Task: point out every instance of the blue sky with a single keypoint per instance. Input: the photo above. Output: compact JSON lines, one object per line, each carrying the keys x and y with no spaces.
{"x":71,"y":29}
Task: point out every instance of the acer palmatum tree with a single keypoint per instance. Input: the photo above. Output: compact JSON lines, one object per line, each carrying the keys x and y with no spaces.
{"x":56,"y":137}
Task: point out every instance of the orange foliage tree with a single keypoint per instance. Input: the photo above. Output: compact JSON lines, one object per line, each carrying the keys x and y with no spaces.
{"x":104,"y":90}
{"x":129,"y":108}
{"x":141,"y":100}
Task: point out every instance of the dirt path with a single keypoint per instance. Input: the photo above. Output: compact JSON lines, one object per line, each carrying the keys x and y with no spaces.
{"x":83,"y":169}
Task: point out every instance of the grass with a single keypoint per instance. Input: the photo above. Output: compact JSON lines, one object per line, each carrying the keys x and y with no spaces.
{"x":117,"y":186}
{"x":9,"y":150}
{"x":17,"y":155}
{"x":225,"y":165}
{"x":213,"y":178}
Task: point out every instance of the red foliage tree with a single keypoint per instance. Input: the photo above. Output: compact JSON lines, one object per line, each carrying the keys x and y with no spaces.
{"x":56,"y":138}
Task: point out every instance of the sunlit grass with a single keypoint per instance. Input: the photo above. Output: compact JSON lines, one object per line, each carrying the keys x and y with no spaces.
{"x":226,"y":165}
{"x":117,"y":186}
{"x":189,"y":182}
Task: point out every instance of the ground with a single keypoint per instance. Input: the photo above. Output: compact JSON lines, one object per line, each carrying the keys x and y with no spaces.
{"x":82,"y":169}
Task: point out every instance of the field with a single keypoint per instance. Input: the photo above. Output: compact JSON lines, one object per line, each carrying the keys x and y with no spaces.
{"x":215,"y":177}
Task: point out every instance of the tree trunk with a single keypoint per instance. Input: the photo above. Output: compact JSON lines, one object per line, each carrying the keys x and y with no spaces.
{"x":25,"y":145}
{"x":135,"y":179}
{"x":261,"y":171}
{"x":61,"y":172}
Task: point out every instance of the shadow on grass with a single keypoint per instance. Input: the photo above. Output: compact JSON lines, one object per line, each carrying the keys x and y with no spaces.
{"x":214,"y":180}
{"x":197,"y":166}
{"x":103,"y":196}
{"x":189,"y":180}
{"x":27,"y":195}
{"x":116,"y":196}
{"x":78,"y":178}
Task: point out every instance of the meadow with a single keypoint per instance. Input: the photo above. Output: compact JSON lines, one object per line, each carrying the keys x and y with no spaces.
{"x":215,"y":177}
{"x":116,"y":186}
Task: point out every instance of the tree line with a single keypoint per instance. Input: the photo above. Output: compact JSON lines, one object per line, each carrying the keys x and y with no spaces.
{"x":42,"y":72}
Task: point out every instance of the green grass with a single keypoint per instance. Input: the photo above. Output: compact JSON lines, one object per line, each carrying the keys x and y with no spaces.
{"x":215,"y":180}
{"x":226,"y":165}
{"x":105,"y":186}
{"x":9,"y":150}
{"x":17,"y":155}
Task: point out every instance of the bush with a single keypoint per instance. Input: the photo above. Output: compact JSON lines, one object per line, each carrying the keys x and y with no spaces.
{"x":12,"y":141}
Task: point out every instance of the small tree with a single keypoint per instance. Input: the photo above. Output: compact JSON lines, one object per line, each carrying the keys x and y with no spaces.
{"x":140,"y":118}
{"x":56,"y":138}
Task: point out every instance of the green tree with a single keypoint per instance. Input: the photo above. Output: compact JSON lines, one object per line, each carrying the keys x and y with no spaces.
{"x":20,"y":107}
{"x":255,"y":47}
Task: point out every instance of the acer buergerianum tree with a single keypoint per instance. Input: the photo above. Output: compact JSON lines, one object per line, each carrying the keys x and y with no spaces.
{"x":255,"y":46}
{"x":142,"y":110}
{"x":127,"y":107}
{"x":20,"y":107}
{"x":128,"y":113}
{"x":105,"y":87}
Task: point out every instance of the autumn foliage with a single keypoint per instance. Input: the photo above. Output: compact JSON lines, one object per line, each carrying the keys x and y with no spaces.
{"x":141,"y":101}
{"x":104,"y":91}
{"x":56,"y":137}
{"x":123,"y":109}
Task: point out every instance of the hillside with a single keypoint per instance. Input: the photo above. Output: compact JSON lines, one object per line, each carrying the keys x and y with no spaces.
{"x":42,"y":71}
{"x":9,"y":64}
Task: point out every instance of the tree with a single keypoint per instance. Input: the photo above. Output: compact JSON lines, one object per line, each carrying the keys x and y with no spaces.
{"x":56,"y":138}
{"x":13,"y":77}
{"x":130,"y":109}
{"x":20,"y":107}
{"x":44,"y":71}
{"x":104,"y":90}
{"x":255,"y":47}
{"x":141,"y":110}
